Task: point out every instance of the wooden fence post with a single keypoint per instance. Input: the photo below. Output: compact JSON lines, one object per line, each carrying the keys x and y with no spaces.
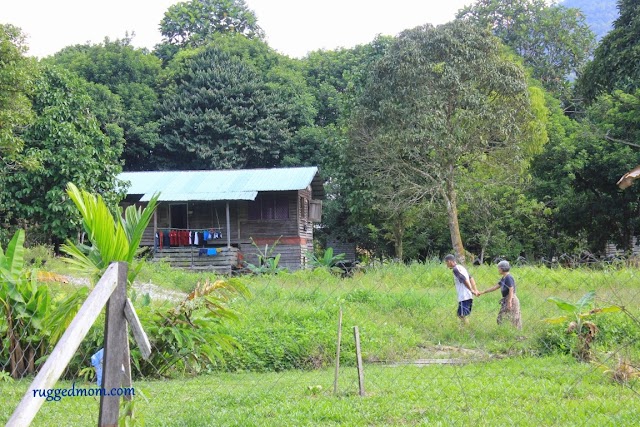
{"x":356,"y":335}
{"x":116,"y":344}
{"x":335,"y":381}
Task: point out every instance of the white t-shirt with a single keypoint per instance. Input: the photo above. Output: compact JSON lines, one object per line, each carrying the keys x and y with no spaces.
{"x":460,"y":274}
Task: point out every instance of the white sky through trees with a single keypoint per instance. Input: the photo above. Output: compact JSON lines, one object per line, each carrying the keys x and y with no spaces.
{"x":292,"y":27}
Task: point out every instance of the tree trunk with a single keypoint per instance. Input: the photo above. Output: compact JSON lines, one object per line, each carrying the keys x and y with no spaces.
{"x":32,"y":360}
{"x":398,"y":233}
{"x":16,"y":356}
{"x":452,"y":216}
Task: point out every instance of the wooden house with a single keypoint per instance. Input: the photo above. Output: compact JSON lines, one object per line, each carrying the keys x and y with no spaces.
{"x":220,"y":219}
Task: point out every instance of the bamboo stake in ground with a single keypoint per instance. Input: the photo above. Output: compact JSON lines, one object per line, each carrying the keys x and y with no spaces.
{"x":335,"y":381}
{"x":356,"y":335}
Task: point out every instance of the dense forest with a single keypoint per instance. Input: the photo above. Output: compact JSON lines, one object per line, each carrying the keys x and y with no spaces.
{"x":501,"y":133}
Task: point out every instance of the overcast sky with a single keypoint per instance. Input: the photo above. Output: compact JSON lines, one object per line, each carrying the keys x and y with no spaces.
{"x":293,"y":27}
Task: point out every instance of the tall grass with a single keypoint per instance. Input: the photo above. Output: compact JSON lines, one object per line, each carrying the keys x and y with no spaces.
{"x":408,"y":312}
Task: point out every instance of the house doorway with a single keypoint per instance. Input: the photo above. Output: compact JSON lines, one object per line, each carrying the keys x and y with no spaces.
{"x":179,"y":216}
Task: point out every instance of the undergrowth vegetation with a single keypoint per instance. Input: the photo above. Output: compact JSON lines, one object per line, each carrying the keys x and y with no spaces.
{"x":408,"y":312}
{"x":404,"y":312}
{"x":281,"y":341}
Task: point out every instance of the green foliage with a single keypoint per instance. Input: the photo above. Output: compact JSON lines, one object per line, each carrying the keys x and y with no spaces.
{"x":218,"y":113}
{"x":440,"y":100}
{"x":576,"y":174}
{"x":328,"y":260}
{"x":113,"y":237}
{"x":337,"y":76}
{"x":125,"y":96}
{"x":194,"y":23}
{"x":24,"y":305}
{"x":268,"y":260}
{"x":283,"y":77}
{"x":616,"y":61}
{"x":586,"y":331}
{"x":187,"y":339}
{"x":553,"y":40}
{"x":15,"y":87}
{"x":38,"y":256}
{"x":64,"y":132}
{"x":519,"y":229}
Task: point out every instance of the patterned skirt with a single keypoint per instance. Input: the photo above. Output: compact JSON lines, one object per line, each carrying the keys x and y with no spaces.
{"x":513,"y":314}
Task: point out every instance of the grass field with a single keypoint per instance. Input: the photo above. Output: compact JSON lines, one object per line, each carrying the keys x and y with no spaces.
{"x":550,"y":391}
{"x":287,"y":330}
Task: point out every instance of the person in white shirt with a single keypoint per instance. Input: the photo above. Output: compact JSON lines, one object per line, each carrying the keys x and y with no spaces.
{"x":465,"y":287}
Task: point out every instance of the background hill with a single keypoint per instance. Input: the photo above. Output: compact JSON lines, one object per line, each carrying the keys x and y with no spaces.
{"x":600,"y":14}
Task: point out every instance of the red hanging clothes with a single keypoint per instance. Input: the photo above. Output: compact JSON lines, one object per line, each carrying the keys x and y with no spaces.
{"x":184,"y":238}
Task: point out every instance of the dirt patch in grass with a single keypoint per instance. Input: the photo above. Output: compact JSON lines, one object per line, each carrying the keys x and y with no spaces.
{"x":156,"y":292}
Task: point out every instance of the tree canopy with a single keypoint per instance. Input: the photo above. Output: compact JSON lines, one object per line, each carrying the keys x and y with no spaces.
{"x":193,"y":23}
{"x":219,"y":113}
{"x":71,"y":147}
{"x":438,"y":101}
{"x":15,"y":86}
{"x":616,"y":61}
{"x":554,"y":41}
{"x":131,"y":75}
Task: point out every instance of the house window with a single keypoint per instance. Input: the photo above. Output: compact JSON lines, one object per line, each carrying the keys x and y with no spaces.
{"x":269,"y":207}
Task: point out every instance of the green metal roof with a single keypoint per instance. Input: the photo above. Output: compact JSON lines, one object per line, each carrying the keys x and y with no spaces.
{"x":221,"y":185}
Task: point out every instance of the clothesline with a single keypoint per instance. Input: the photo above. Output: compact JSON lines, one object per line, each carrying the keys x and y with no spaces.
{"x":174,"y":237}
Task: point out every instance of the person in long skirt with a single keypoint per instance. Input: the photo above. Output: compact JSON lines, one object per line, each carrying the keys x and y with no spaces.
{"x":509,"y":304}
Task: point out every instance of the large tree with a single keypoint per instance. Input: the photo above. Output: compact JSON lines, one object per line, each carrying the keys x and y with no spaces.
{"x":194,"y":23}
{"x":284,"y":77}
{"x":616,"y":62}
{"x":441,"y":99}
{"x":554,"y":41}
{"x":218,"y":113}
{"x":68,"y":141}
{"x":131,"y":75}
{"x":336,"y":78}
{"x":15,"y":86}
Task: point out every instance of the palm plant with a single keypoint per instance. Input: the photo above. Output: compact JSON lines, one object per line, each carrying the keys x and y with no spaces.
{"x":113,"y":237}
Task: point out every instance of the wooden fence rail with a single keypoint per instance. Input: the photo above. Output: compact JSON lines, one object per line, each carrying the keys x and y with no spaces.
{"x":111,"y":289}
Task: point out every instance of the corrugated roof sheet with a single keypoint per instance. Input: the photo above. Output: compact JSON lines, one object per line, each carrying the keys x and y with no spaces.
{"x":220,"y":185}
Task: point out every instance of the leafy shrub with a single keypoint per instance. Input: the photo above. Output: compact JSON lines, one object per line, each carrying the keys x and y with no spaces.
{"x":188,"y":338}
{"x":327,"y":260}
{"x":554,"y":340}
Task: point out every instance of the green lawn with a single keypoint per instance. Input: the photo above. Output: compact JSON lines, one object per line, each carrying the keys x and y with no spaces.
{"x":551,"y":391}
